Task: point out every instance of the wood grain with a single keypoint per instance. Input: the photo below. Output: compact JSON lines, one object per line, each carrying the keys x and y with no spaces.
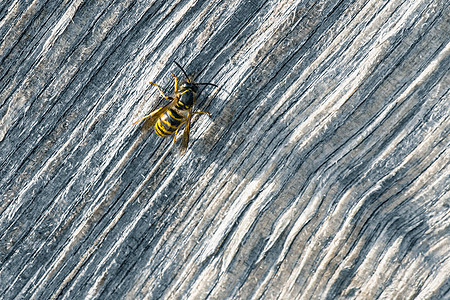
{"x":322,"y":174}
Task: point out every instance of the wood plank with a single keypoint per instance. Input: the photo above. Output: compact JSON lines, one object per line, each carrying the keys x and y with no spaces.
{"x":323,"y":172}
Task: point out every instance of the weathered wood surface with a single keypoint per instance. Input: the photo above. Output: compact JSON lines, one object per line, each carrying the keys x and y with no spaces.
{"x":322,"y":174}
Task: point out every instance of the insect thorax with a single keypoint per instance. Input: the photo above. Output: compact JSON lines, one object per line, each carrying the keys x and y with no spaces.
{"x":186,"y":100}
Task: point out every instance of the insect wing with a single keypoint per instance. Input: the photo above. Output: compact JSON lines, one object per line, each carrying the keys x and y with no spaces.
{"x":150,"y":120}
{"x":185,"y":140}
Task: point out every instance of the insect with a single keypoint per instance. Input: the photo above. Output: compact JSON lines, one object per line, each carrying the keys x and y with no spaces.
{"x":168,"y":119}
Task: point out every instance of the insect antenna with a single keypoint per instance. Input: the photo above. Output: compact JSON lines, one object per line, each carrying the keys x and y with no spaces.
{"x":185,"y":74}
{"x":199,"y":83}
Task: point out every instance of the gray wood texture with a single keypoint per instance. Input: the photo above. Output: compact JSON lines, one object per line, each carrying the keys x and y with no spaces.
{"x":323,"y":172}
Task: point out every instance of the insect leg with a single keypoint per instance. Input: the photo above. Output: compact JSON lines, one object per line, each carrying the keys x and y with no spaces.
{"x":159,"y":89}
{"x":176,"y":83}
{"x":176,"y":132}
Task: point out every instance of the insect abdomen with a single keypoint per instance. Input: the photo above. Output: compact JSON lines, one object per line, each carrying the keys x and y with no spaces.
{"x":168,"y":123}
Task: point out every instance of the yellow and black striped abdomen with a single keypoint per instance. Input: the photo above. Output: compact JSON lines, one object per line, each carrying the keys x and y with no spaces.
{"x":169,"y":122}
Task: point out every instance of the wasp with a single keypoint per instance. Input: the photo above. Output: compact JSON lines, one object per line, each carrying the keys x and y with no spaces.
{"x":168,"y":119}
